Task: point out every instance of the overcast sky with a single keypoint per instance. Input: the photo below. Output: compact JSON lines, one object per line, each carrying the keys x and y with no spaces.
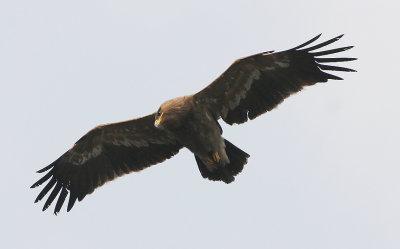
{"x":324,"y":166}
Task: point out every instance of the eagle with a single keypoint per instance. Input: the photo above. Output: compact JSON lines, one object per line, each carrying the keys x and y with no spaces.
{"x":251,"y":86}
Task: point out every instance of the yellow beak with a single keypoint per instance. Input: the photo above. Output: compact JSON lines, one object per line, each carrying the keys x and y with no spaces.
{"x":158,"y":120}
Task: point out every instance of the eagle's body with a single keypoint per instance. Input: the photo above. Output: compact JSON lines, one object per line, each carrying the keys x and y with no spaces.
{"x":193,"y":126}
{"x":250,"y":87}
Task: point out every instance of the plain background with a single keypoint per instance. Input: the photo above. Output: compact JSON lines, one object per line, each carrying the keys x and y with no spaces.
{"x":324,"y":166}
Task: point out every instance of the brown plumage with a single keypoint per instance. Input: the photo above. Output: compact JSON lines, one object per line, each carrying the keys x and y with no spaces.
{"x":250,"y":87}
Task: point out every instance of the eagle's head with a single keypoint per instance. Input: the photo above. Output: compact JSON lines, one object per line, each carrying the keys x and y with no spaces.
{"x":172,"y":112}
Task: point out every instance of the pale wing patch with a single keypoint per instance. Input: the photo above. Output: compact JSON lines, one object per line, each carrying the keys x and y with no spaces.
{"x":208,"y":116}
{"x":128,"y":141}
{"x":124,"y":141}
{"x":78,"y":158}
{"x":281,"y":63}
{"x":255,"y":75}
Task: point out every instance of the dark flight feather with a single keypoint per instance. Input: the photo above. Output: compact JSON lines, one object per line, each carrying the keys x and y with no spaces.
{"x":60,"y":201}
{"x":52,"y":196}
{"x":323,"y":44}
{"x":308,"y":42}
{"x":324,"y":60}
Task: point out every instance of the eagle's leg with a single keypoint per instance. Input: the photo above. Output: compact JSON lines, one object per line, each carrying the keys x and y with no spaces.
{"x":216,"y":168}
{"x":216,"y":157}
{"x":213,"y":158}
{"x":208,"y":161}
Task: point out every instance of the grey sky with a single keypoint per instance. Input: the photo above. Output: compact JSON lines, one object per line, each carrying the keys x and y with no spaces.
{"x":324,"y":166}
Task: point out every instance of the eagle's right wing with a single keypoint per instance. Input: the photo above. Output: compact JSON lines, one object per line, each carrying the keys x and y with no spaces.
{"x":104,"y":153}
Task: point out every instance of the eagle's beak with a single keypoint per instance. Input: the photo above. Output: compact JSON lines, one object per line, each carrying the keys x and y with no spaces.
{"x":158,"y":120}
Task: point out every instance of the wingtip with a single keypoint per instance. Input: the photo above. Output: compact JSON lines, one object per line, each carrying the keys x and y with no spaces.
{"x":336,"y":78}
{"x":331,"y":76}
{"x":339,"y":36}
{"x":332,"y":51}
{"x":316,"y":37}
{"x":307,"y":42}
{"x":346,"y":48}
{"x":39,"y":198}
{"x":71,"y":202}
{"x":44,"y":169}
{"x":351,"y":59}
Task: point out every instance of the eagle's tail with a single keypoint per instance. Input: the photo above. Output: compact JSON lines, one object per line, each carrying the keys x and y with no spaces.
{"x":226,"y":173}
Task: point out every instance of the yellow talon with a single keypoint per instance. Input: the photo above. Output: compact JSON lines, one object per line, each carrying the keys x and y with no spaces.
{"x":209,"y":161}
{"x":216,"y":157}
{"x":212,"y":159}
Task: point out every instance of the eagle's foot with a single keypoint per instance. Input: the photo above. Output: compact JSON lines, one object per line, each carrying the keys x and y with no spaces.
{"x":216,"y":157}
{"x":213,"y":158}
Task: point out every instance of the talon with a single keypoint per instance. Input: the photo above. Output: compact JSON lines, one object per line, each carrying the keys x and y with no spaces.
{"x":209,"y":161}
{"x":216,"y":157}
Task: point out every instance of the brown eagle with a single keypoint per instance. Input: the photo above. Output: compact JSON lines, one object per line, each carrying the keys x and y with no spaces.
{"x":250,"y":87}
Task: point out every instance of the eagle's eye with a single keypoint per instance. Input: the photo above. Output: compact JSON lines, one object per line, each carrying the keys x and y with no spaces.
{"x":158,"y":112}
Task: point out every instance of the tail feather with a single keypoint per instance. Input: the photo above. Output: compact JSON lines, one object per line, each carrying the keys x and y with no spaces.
{"x":226,"y":173}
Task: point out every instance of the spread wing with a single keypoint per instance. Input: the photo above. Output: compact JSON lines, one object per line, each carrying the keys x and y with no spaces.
{"x":104,"y":153}
{"x":256,"y":84}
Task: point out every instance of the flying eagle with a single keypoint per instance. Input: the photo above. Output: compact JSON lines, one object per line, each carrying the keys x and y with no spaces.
{"x":250,"y":87}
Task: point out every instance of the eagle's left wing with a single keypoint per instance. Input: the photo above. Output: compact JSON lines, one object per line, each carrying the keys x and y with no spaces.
{"x":256,"y":84}
{"x":104,"y":153}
